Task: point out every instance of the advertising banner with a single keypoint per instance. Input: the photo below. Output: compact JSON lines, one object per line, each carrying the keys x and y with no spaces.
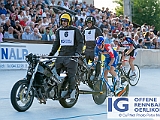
{"x":12,"y":55}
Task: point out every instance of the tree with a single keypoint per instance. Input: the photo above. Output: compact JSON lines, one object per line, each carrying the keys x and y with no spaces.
{"x":143,"y":11}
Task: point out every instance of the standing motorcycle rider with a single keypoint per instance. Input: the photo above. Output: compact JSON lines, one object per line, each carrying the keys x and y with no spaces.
{"x":89,"y":35}
{"x":71,"y":41}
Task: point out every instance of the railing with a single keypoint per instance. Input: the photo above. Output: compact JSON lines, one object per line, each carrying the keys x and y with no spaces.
{"x":27,"y":41}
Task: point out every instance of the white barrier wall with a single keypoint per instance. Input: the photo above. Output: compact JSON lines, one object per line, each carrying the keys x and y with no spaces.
{"x":12,"y":55}
{"x":148,"y":57}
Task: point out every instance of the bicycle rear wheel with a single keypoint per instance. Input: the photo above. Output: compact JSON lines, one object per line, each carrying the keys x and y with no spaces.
{"x":100,"y":92}
{"x":133,"y":80}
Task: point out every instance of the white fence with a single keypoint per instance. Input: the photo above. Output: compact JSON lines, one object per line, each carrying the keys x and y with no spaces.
{"x":148,"y":57}
{"x":12,"y":55}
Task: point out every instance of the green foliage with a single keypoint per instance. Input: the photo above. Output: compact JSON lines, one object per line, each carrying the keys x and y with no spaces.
{"x":143,"y":11}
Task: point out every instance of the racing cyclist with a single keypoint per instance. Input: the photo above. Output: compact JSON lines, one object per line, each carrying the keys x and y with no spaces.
{"x":111,"y":58}
{"x":130,"y":50}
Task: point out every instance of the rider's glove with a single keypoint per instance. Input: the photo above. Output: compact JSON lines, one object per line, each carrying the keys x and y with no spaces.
{"x":77,"y":54}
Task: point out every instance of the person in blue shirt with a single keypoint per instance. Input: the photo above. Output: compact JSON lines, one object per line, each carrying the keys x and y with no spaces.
{"x":3,"y":9}
{"x":111,"y":58}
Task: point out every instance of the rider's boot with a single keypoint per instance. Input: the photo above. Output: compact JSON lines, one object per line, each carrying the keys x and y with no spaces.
{"x":68,"y":95}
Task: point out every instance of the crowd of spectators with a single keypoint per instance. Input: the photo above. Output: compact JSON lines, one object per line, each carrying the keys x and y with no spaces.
{"x":37,"y":20}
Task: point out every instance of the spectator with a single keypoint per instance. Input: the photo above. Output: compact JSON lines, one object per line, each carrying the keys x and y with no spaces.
{"x":31,"y":24}
{"x":83,"y":15}
{"x":35,"y":35}
{"x":39,"y":9}
{"x":26,"y":33}
{"x":45,"y":22}
{"x":2,"y":19}
{"x":136,"y":38}
{"x":14,"y":5}
{"x":109,"y":38}
{"x":147,"y":40}
{"x":13,"y":19}
{"x":158,"y":39}
{"x":51,"y":29}
{"x":20,"y":15}
{"x":22,"y":5}
{"x":27,"y":14}
{"x":32,"y":13}
{"x":3,"y":9}
{"x":54,"y":21}
{"x":105,"y":25}
{"x":154,"y":44}
{"x":44,"y":14}
{"x":23,"y":22}
{"x":48,"y":17}
{"x":1,"y":34}
{"x":7,"y":25}
{"x":18,"y":30}
{"x":105,"y":34}
{"x":115,"y":43}
{"x":66,"y":5}
{"x":140,"y":44}
{"x":15,"y":13}
{"x":46,"y":36}
{"x":80,"y":23}
{"x":8,"y":7}
{"x":53,"y":2}
{"x":9,"y":34}
{"x":98,"y":21}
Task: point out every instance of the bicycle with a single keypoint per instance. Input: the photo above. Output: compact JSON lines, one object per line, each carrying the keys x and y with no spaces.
{"x":101,"y":85}
{"x":133,"y":80}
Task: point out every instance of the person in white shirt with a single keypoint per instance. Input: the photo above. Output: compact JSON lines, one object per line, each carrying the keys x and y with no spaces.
{"x":26,"y":33}
{"x":35,"y":35}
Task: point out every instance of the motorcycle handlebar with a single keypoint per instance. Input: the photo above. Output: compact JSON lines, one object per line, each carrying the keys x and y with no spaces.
{"x":50,"y":57}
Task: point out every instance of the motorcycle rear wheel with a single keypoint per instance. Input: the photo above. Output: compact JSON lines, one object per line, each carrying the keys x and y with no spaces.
{"x":68,"y":103}
{"x":18,"y":99}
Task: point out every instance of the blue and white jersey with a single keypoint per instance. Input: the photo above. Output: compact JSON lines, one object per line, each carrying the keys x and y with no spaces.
{"x":127,"y":43}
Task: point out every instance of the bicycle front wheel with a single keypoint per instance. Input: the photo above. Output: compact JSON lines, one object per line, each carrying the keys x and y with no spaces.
{"x":133,"y":80}
{"x":100,"y":91}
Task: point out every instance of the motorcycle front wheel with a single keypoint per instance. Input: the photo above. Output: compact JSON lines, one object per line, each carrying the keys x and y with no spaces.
{"x":18,"y":96}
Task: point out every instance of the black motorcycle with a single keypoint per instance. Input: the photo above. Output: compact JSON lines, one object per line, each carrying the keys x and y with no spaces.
{"x":41,"y":82}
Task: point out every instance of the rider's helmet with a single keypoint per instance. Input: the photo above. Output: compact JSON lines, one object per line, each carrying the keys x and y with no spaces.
{"x":90,"y":19}
{"x":67,"y":17}
{"x":99,"y":40}
{"x":120,"y":35}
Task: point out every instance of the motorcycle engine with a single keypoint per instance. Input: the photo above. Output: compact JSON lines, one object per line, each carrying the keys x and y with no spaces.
{"x":82,"y":73}
{"x":52,"y":92}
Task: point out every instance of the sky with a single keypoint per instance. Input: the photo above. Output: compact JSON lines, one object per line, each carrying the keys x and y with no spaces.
{"x":105,"y":3}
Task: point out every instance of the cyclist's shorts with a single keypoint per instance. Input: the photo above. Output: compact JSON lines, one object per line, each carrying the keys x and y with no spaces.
{"x":132,"y":54}
{"x":107,"y":61}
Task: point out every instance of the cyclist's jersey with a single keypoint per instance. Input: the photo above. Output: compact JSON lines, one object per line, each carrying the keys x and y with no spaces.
{"x":108,"y":52}
{"x":127,"y":43}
